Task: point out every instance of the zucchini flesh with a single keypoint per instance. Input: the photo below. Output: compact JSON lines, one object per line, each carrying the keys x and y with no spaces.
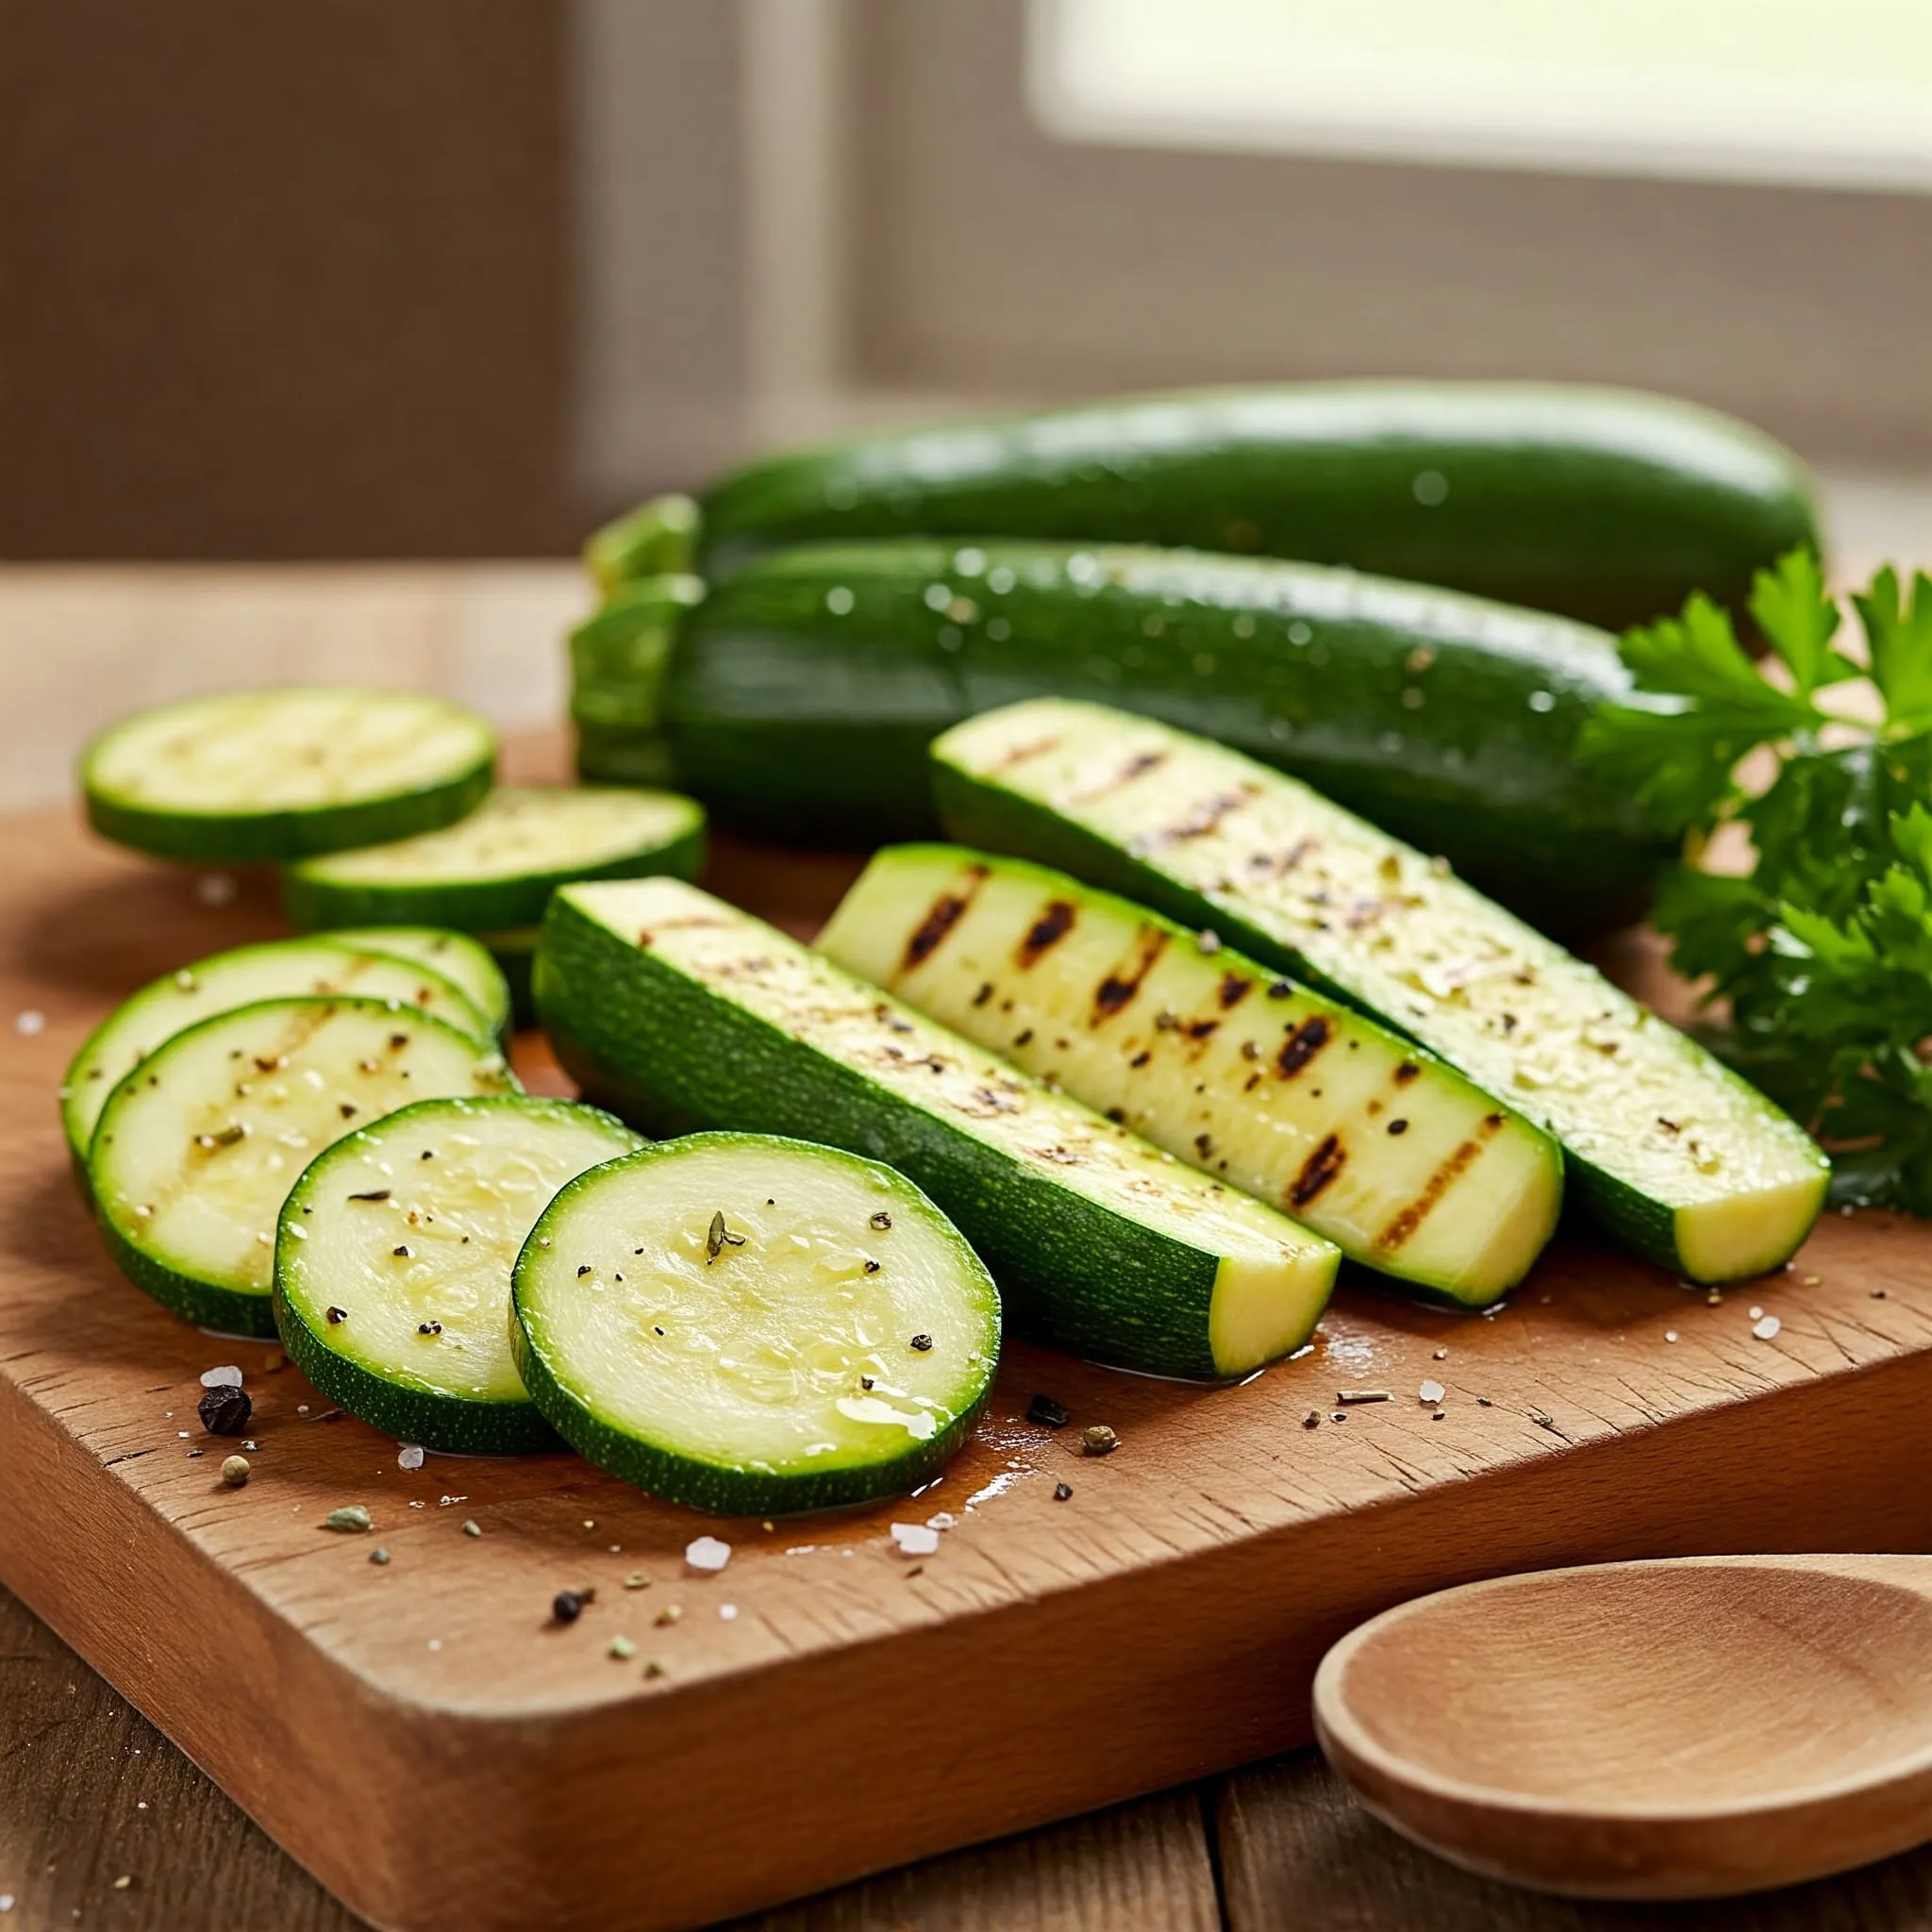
{"x":827,"y":1341}
{"x":199,"y":1146}
{"x":800,"y":698}
{"x":1607,"y":505}
{"x":1675,"y":1153}
{"x":239,"y":979}
{"x":1404,"y":1165}
{"x":499,"y":866}
{"x":277,"y":774}
{"x":680,"y":1011}
{"x":393,"y":1256}
{"x":465,"y":963}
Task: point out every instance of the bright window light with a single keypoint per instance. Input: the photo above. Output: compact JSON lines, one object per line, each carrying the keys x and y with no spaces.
{"x":1816,"y":92}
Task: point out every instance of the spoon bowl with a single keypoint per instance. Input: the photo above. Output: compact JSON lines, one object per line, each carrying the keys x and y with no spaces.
{"x":1671,"y":1729}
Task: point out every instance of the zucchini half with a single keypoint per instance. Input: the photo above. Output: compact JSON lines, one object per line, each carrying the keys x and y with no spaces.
{"x":679,"y":1011}
{"x":1674,"y":1154}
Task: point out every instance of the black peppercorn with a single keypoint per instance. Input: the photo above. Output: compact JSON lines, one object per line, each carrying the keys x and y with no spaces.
{"x":224,"y":1410}
{"x":566,"y":1606}
{"x":1044,"y":1410}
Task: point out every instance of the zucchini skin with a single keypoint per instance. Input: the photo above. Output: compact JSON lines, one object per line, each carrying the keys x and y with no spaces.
{"x":663,"y":1054}
{"x":1605,"y":504}
{"x":1450,"y":721}
{"x":980,"y":813}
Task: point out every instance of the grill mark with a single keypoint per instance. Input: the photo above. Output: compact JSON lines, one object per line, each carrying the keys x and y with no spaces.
{"x":1437,"y":1184}
{"x":1302,"y":1045}
{"x":1136,"y":767}
{"x":1406,"y":1072}
{"x":1046,"y":932}
{"x":1021,"y":753}
{"x":1234,"y":989}
{"x":941,"y":916}
{"x":1117,"y":989}
{"x":1318,"y":1169}
{"x":1204,"y":818}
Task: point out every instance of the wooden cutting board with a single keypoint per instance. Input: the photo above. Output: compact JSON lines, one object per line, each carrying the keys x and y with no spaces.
{"x":436,"y":1751}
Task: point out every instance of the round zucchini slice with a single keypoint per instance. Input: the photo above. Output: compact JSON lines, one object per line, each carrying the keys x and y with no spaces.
{"x":499,"y":866}
{"x":198,"y":1147}
{"x":167,"y":1006}
{"x":466,"y":962}
{"x":393,"y":1258}
{"x":277,"y":774}
{"x":753,"y":1326}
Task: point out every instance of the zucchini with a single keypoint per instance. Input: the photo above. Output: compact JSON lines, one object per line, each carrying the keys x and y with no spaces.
{"x":198,"y":1147}
{"x":513,"y":952}
{"x":755,"y":1325}
{"x":239,"y":979}
{"x":277,"y":774}
{"x":679,"y":1011}
{"x":393,"y":1256}
{"x":498,"y":866}
{"x":465,"y":963}
{"x":800,"y":698}
{"x":1607,"y":504}
{"x":1399,"y":1160}
{"x":1675,"y":1155}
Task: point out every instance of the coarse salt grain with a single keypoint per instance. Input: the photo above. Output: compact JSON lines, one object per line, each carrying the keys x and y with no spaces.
{"x":1767,"y":1329}
{"x":221,"y":1378}
{"x":1757,"y":1315}
{"x":409,"y":1457}
{"x":708,"y":1553}
{"x":1670,"y":1335}
{"x":728,"y":1612}
{"x":945,"y":1519}
{"x":915,"y":1538}
{"x":29,"y":1022}
{"x":1431,"y":1391}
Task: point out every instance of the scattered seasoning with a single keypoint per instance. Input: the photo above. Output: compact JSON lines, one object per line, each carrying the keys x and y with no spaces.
{"x":1341,"y":1415}
{"x":1484,"y":1402}
{"x":428,"y":1327}
{"x":29,"y":1021}
{"x":400,"y":1249}
{"x":1099,"y":1440}
{"x":224,"y":1410}
{"x":372,"y":1194}
{"x":471,"y":1528}
{"x":410,"y":1456}
{"x":216,"y":1378}
{"x":637,"y":1580}
{"x":122,"y":1883}
{"x":1312,"y":1420}
{"x":378,"y":1556}
{"x":1811,"y":1281}
{"x":1048,"y":1413}
{"x":923,"y":1343}
{"x":1670,"y":1335}
{"x":880,"y":1219}
{"x":622,"y":1649}
{"x":1441,"y":1355}
{"x":720,"y":1236}
{"x":727,"y":1613}
{"x":353,"y":1521}
{"x":872,"y":1267}
{"x":1542,"y":1421}
{"x":1767,"y":1329}
{"x":1757,"y":1315}
{"x":235,"y":1471}
{"x":1349,"y":1397}
{"x":586,"y":1268}
{"x":915,"y":1538}
{"x":337,"y":1316}
{"x":1208,"y":942}
{"x":708,"y":1553}
{"x":1877,"y":1294}
{"x":670,"y":1613}
{"x":654,"y":1667}
{"x":1713,"y":1300}
{"x":1439,"y":1415}
{"x":1430,"y":1393}
{"x":1061,"y":1491}
{"x":566,"y":1606}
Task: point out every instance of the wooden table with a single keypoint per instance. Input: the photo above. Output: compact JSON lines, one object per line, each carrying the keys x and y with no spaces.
{"x":104,"y":1824}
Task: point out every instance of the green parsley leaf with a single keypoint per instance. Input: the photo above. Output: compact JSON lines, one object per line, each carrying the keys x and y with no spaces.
{"x":1799,"y":622}
{"x":1900,"y":637}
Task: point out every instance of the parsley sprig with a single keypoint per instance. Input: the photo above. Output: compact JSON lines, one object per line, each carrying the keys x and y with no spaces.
{"x":1821,"y":955}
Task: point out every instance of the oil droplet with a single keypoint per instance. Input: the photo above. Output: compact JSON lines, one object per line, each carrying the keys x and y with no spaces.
{"x":839,"y":601}
{"x":1431,"y":489}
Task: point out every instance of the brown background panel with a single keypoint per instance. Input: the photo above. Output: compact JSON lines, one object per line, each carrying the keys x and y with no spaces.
{"x":282,"y":280}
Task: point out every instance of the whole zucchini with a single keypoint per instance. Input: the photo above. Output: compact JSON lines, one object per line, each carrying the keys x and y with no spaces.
{"x":1607,"y":504}
{"x":799,"y":698}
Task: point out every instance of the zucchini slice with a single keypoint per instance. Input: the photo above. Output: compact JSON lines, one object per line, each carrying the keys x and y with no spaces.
{"x":166,"y":1006}
{"x":680,"y":1011}
{"x":752,"y":1325}
{"x":198,"y":1147}
{"x":467,"y":963}
{"x":277,"y":775}
{"x":498,"y":866}
{"x":513,"y":952}
{"x":1398,"y":1159}
{"x":393,"y":1258}
{"x":1674,"y":1154}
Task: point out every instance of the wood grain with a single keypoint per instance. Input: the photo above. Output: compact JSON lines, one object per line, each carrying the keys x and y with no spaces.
{"x":1297,"y":1851}
{"x":859,"y":1710}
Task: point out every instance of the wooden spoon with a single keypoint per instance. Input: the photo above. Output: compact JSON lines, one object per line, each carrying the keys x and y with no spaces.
{"x":1679,"y":1729}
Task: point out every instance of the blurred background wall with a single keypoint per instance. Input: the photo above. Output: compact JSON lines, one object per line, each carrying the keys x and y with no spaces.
{"x":355,"y":279}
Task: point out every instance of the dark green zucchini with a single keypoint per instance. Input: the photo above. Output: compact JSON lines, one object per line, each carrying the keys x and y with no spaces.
{"x":801,"y":696}
{"x":1607,"y":504}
